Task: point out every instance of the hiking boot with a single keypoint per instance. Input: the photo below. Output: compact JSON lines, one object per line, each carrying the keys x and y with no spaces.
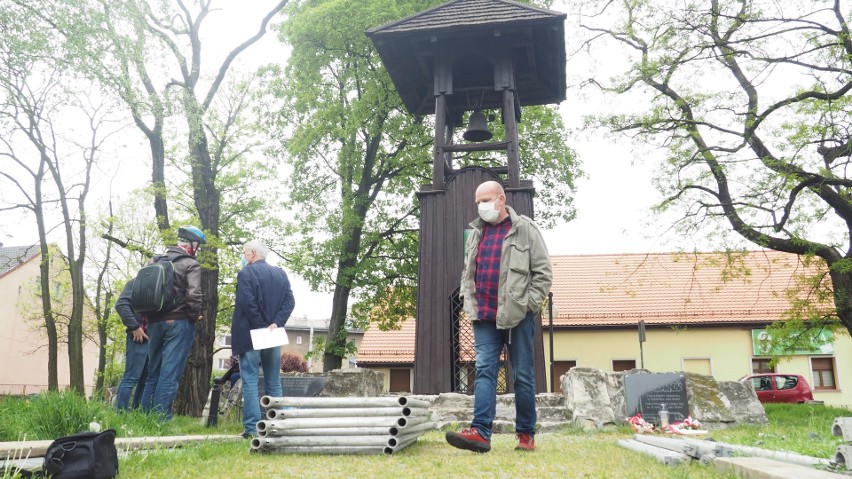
{"x":526,"y":442}
{"x":469,"y":440}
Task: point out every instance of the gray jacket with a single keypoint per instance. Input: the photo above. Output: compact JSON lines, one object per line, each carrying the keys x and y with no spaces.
{"x":525,"y":272}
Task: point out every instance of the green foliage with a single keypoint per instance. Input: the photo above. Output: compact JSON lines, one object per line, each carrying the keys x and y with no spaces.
{"x":46,"y":416}
{"x":569,"y":452}
{"x":51,"y":415}
{"x":357,"y":159}
{"x":761,"y":150}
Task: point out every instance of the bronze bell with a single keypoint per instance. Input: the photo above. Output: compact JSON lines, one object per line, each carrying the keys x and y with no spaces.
{"x":477,"y":128}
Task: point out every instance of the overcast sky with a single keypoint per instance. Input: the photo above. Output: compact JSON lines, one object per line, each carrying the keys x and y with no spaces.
{"x":612,"y":202}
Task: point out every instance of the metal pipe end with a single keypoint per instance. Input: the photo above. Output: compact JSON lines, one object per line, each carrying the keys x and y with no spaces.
{"x":402,"y":422}
{"x":394,"y":431}
{"x":388,"y":450}
{"x":271,"y":413}
{"x":261,"y":425}
{"x":406,"y":411}
{"x":265,"y":400}
{"x":255,"y":443}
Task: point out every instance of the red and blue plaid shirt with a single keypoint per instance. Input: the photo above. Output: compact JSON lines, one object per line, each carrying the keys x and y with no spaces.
{"x":488,"y":267}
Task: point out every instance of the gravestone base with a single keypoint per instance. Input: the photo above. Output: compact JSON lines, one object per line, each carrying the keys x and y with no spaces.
{"x":595,"y":398}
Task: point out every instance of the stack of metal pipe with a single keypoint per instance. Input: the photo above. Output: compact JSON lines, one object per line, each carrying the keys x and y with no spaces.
{"x":349,"y":425}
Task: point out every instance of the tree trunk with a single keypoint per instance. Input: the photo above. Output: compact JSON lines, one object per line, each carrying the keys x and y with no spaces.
{"x":158,"y":178}
{"x":195,"y":382}
{"x":47,"y":309}
{"x":75,"y":270}
{"x":841,"y":282}
{"x":103,"y":321}
{"x":75,"y":329}
{"x":335,"y":346}
{"x":336,"y":338}
{"x":46,"y":303}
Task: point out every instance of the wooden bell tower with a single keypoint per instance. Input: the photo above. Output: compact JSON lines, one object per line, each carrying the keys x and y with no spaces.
{"x":467,"y":55}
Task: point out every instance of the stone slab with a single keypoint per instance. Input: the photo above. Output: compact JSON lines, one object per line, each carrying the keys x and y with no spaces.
{"x":29,"y":449}
{"x":764,"y":468}
{"x":646,"y":393}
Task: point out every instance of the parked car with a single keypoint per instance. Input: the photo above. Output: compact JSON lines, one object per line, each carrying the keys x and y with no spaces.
{"x":777,"y":387}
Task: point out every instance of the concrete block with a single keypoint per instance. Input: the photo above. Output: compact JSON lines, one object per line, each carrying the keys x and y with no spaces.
{"x":764,"y":468}
{"x":843,"y":456}
{"x":842,"y":427}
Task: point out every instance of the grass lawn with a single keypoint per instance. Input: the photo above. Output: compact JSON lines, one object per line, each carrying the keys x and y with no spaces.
{"x":570,"y":453}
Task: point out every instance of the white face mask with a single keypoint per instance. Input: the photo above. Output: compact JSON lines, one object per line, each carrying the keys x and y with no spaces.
{"x":488,"y":211}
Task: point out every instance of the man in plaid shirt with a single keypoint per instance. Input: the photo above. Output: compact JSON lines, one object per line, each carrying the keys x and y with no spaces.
{"x":506,"y":278}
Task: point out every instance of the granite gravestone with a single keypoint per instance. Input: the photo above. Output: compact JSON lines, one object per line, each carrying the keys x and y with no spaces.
{"x":302,"y":386}
{"x":295,"y":386}
{"x":646,"y":393}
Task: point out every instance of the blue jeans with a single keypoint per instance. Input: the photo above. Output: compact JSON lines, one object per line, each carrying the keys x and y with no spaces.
{"x":488,"y":343}
{"x":135,"y":373}
{"x":250,"y":362}
{"x":169,"y":344}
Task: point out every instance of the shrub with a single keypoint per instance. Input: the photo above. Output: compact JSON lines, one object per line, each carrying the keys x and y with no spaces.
{"x":293,"y":363}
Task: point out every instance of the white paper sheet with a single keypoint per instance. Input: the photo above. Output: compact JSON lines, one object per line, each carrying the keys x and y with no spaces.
{"x":265,"y":338}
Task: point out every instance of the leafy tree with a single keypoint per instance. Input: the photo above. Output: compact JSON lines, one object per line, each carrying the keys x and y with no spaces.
{"x":175,"y":28}
{"x":53,"y":133}
{"x":357,"y":158}
{"x":763,"y":142}
{"x":150,"y":55}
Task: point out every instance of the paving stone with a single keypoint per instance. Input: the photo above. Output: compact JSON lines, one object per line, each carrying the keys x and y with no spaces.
{"x":764,"y":468}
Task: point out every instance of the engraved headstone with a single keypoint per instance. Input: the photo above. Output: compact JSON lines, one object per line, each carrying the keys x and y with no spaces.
{"x":646,"y":393}
{"x":302,"y":386}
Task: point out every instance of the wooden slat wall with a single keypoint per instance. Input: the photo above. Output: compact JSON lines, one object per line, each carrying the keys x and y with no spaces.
{"x":444,"y":214}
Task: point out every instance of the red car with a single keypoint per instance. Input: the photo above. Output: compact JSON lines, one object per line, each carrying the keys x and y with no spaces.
{"x":777,"y":387}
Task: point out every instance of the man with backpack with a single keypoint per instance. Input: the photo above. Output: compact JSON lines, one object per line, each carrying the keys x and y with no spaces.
{"x":171,"y":328}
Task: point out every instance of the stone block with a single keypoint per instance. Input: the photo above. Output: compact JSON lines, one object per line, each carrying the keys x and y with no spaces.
{"x":356,"y":382}
{"x":596,"y":397}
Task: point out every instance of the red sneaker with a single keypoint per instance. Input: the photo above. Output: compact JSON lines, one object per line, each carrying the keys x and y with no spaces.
{"x":469,"y":440}
{"x":526,"y":442}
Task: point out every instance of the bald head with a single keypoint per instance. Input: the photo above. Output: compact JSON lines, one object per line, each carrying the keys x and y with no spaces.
{"x":491,"y":192}
{"x":489,"y":187}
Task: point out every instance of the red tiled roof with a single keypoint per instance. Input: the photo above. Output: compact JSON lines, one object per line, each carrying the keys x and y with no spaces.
{"x":600,"y":291}
{"x":673,"y":288}
{"x":395,"y":346}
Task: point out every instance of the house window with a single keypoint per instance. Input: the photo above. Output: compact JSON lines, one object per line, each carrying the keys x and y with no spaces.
{"x":226,"y":340}
{"x":623,"y":365}
{"x":560,"y":368}
{"x":761,"y":366}
{"x":822,"y":372}
{"x":223,"y":364}
{"x":298,"y":339}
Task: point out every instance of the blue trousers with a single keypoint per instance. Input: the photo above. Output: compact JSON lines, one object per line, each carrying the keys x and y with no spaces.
{"x":169,"y":344}
{"x":135,"y":374}
{"x":250,"y":363}
{"x":488,"y":343}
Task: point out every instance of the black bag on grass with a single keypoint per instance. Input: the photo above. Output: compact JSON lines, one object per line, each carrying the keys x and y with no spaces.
{"x":86,"y":455}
